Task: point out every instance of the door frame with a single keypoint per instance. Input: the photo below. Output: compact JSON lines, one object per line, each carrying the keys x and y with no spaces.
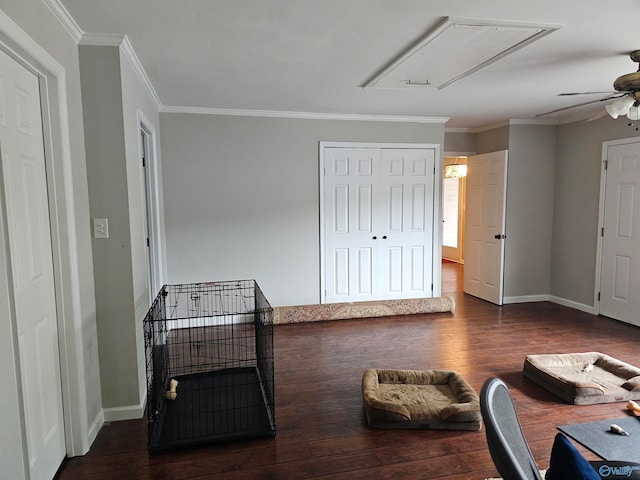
{"x":601,"y":211}
{"x":80,"y":431}
{"x":151,"y":187}
{"x":462,"y":203}
{"x":436,"y":253}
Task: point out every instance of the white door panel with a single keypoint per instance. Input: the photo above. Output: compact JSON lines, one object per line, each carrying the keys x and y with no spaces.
{"x":485,"y":226}
{"x":349,"y":246}
{"x":410,"y":218}
{"x":25,"y":187}
{"x":379,"y":213}
{"x":620,"y":269}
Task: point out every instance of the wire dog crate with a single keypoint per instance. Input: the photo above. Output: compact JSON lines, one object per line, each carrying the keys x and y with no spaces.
{"x":210,"y":366}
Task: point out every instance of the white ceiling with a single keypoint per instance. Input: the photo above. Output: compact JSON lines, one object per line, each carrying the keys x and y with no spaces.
{"x":314,"y":56}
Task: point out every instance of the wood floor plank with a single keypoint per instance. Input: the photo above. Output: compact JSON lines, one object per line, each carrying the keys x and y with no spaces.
{"x":321,"y":427}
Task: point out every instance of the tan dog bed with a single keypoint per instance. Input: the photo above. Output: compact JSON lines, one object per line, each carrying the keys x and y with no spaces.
{"x":416,"y":399}
{"x":584,"y":378}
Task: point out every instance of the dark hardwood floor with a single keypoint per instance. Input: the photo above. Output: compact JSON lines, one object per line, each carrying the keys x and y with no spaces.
{"x":321,"y":427}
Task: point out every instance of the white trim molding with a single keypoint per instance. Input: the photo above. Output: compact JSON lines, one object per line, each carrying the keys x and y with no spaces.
{"x":65,"y":18}
{"x":116,"y":414}
{"x":525,"y":299}
{"x":129,"y":53}
{"x":302,"y":115}
{"x":123,"y":42}
{"x":550,"y":298}
{"x":571,"y":304}
{"x":102,"y":39}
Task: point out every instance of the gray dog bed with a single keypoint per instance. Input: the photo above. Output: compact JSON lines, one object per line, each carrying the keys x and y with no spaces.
{"x":420,"y":399}
{"x":584,"y":378}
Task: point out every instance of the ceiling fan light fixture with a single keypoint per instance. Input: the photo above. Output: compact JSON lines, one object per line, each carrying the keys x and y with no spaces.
{"x":620,"y":107}
{"x":612,"y":111}
{"x":634,"y":112}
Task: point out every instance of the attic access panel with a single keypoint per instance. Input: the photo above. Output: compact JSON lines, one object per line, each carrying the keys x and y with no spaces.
{"x":455,"y":49}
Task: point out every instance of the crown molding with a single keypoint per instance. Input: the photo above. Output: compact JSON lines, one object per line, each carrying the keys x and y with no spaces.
{"x":123,"y":43}
{"x":302,"y":115}
{"x":457,"y":130}
{"x":65,"y":18}
{"x":505,"y":123}
{"x":508,"y":123}
{"x":129,"y":53}
{"x":102,"y":39}
{"x":15,"y":33}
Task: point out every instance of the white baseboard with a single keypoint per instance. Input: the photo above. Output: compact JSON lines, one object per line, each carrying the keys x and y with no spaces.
{"x":550,"y":298}
{"x":128,"y":412}
{"x":525,"y":299}
{"x":95,"y":426}
{"x":570,"y":303}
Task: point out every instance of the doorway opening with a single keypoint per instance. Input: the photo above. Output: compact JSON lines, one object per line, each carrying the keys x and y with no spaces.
{"x":453,"y":219}
{"x":453,"y":207}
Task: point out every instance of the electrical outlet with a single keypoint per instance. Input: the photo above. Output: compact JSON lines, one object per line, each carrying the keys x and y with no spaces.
{"x":100,"y":228}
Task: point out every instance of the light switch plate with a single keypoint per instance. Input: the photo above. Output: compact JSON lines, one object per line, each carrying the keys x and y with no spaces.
{"x":100,"y":228}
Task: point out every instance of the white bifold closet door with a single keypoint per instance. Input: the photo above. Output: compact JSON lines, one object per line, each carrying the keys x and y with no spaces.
{"x":378,"y":223}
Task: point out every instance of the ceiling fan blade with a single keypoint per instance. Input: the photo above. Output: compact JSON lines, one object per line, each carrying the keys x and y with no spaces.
{"x":557,"y":110}
{"x":572,"y":94}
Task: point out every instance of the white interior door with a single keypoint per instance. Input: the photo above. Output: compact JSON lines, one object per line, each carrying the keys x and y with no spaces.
{"x":485,"y":226}
{"x":620,"y":268}
{"x":25,"y":197}
{"x":351,"y":242}
{"x":406,"y":227}
{"x":378,"y":223}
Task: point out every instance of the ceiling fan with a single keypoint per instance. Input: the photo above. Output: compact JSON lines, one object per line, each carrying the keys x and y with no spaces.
{"x":627,"y":95}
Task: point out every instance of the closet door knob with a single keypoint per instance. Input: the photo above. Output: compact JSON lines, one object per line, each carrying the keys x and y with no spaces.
{"x":374,"y":237}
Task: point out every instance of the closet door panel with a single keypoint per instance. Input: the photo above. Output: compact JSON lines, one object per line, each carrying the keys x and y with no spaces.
{"x":379,"y":223}
{"x":351,"y":252}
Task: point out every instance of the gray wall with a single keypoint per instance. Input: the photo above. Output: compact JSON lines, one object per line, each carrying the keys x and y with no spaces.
{"x":576,"y":203}
{"x":529,"y":218}
{"x":135,"y":100}
{"x":242,"y":196}
{"x":108,"y":198}
{"x":553,"y":191}
{"x":37,"y":20}
{"x":493,"y":140}
{"x":112,"y":94}
{"x":460,"y":142}
{"x":529,"y":213}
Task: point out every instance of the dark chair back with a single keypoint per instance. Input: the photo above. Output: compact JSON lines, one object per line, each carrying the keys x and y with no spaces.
{"x":507,"y":445}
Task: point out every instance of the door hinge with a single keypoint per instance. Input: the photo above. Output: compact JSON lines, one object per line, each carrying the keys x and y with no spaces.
{"x":598,"y":296}
{"x":144,"y":163}
{"x":606,"y":164}
{"x":602,"y":232}
{"x":148,"y":244}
